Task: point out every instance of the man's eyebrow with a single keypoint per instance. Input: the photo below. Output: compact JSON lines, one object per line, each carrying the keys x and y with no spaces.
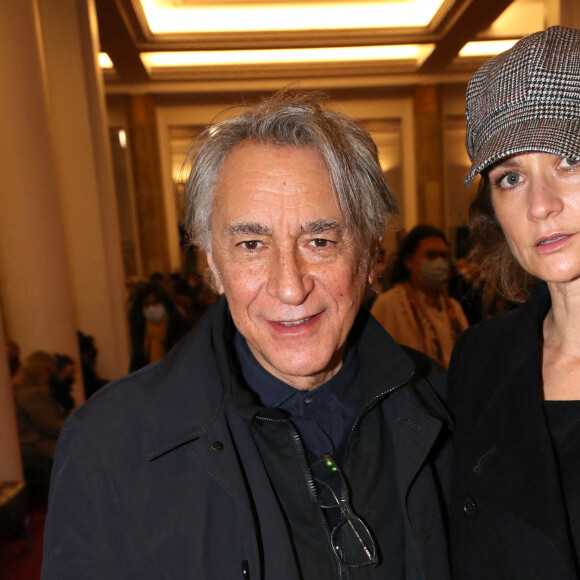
{"x":248,"y":229}
{"x":321,"y":226}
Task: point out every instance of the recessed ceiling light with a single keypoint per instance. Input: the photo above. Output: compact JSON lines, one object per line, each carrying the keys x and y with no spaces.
{"x":486,"y":47}
{"x":104,"y":60}
{"x":415,"y":52}
{"x":165,"y":17}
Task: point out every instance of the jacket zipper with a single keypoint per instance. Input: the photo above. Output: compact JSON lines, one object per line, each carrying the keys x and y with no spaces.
{"x":307,"y":472}
{"x":364,"y":411}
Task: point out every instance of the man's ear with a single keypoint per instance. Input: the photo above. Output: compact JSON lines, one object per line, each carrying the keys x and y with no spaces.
{"x":372,"y":262}
{"x":216,"y":279}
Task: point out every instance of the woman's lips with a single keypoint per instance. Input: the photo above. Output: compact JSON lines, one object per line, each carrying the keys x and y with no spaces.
{"x":552,"y":243}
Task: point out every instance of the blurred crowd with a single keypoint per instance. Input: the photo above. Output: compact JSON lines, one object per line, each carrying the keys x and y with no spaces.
{"x":160,"y":310}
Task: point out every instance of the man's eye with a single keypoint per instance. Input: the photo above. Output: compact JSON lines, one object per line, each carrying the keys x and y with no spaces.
{"x":568,"y":162}
{"x":250,"y":244}
{"x":319,"y":242}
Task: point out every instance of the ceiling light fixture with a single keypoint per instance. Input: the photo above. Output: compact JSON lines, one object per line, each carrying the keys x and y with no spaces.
{"x":407,"y":52}
{"x":165,"y":17}
{"x":486,"y":47}
{"x":105,"y":61}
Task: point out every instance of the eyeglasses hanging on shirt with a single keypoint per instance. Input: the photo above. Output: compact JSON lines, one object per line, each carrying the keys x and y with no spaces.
{"x":351,"y":539}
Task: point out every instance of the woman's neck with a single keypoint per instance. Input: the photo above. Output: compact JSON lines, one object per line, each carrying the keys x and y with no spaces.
{"x":561,"y":348}
{"x":562,"y":324}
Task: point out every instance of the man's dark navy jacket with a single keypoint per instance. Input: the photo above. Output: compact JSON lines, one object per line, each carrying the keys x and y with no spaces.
{"x":157,"y":477}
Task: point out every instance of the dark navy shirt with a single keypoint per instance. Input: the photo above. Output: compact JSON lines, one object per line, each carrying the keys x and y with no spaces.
{"x":322,"y":416}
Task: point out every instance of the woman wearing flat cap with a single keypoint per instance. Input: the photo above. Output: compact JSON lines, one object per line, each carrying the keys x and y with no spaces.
{"x":515,"y":379}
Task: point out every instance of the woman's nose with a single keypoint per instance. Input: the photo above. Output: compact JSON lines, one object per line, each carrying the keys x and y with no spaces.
{"x":545,"y":197}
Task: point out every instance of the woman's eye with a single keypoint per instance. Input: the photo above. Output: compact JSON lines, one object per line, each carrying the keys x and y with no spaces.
{"x":509,"y":180}
{"x":568,"y":162}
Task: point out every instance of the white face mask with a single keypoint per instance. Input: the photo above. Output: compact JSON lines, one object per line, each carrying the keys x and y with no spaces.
{"x":434,"y":272}
{"x":154,"y":313}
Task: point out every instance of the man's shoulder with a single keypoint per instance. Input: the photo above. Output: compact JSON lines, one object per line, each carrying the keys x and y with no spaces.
{"x":429,"y":379}
{"x":405,"y":369}
{"x":184,"y":380}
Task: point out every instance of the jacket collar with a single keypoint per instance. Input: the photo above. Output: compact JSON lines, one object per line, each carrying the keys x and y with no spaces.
{"x":183,"y":390}
{"x":384,"y":364}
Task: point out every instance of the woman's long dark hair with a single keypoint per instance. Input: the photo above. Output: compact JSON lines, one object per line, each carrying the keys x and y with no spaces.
{"x":490,"y":250}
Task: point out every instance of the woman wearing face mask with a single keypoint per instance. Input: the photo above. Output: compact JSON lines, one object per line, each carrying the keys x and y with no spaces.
{"x":418,"y":311}
{"x":155,"y":324}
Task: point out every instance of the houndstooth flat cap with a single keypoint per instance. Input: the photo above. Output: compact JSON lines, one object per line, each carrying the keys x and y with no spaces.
{"x":526,"y":99}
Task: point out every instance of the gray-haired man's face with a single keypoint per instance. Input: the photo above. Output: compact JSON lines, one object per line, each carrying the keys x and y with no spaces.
{"x":285,"y":260}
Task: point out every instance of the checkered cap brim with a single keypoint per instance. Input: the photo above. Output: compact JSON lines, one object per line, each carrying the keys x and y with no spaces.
{"x":526,"y":99}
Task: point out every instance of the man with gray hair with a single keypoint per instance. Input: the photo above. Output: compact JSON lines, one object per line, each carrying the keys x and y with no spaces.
{"x":287,"y":436}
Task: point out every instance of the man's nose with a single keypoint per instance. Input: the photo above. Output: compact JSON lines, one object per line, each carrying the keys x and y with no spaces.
{"x":289,"y":279}
{"x":545,"y":197}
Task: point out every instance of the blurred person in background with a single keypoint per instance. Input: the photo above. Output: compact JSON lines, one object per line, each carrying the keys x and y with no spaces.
{"x":61,"y":381}
{"x":418,"y":311}
{"x":155,"y":325}
{"x":40,"y":417}
{"x":91,"y":380}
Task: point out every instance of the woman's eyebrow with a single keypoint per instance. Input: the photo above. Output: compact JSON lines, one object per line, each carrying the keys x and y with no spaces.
{"x":508,"y":162}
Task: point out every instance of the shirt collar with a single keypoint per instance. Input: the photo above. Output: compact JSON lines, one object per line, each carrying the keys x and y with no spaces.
{"x":273,"y":392}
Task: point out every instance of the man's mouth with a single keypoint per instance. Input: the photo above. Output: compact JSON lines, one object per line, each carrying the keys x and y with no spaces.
{"x":296,"y":322}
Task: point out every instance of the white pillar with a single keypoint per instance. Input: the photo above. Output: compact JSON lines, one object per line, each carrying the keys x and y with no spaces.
{"x":87,"y":191}
{"x":36,"y":295}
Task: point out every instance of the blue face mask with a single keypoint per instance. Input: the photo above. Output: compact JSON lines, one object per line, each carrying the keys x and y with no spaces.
{"x":434,"y":272}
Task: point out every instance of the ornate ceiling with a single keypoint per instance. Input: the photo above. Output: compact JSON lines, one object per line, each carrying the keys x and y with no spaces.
{"x":126,"y":34}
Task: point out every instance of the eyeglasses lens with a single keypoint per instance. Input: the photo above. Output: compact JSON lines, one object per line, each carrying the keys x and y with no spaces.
{"x":353,"y":543}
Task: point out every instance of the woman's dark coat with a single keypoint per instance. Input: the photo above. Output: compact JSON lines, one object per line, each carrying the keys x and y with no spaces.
{"x":157,"y":477}
{"x":507,"y":514}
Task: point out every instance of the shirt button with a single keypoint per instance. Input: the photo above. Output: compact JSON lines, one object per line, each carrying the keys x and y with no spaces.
{"x":308,"y":399}
{"x":217,"y":446}
{"x":469,"y":506}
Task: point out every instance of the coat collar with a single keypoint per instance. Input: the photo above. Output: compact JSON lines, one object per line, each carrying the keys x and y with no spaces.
{"x":184,"y":392}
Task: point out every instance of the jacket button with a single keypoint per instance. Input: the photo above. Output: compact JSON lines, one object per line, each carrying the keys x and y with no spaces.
{"x":217,"y":446}
{"x":469,"y":506}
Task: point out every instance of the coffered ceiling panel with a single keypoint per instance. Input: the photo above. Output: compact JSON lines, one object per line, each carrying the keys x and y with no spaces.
{"x":173,"y":45}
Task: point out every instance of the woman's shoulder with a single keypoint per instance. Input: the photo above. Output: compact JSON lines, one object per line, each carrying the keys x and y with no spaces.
{"x":490,"y":330}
